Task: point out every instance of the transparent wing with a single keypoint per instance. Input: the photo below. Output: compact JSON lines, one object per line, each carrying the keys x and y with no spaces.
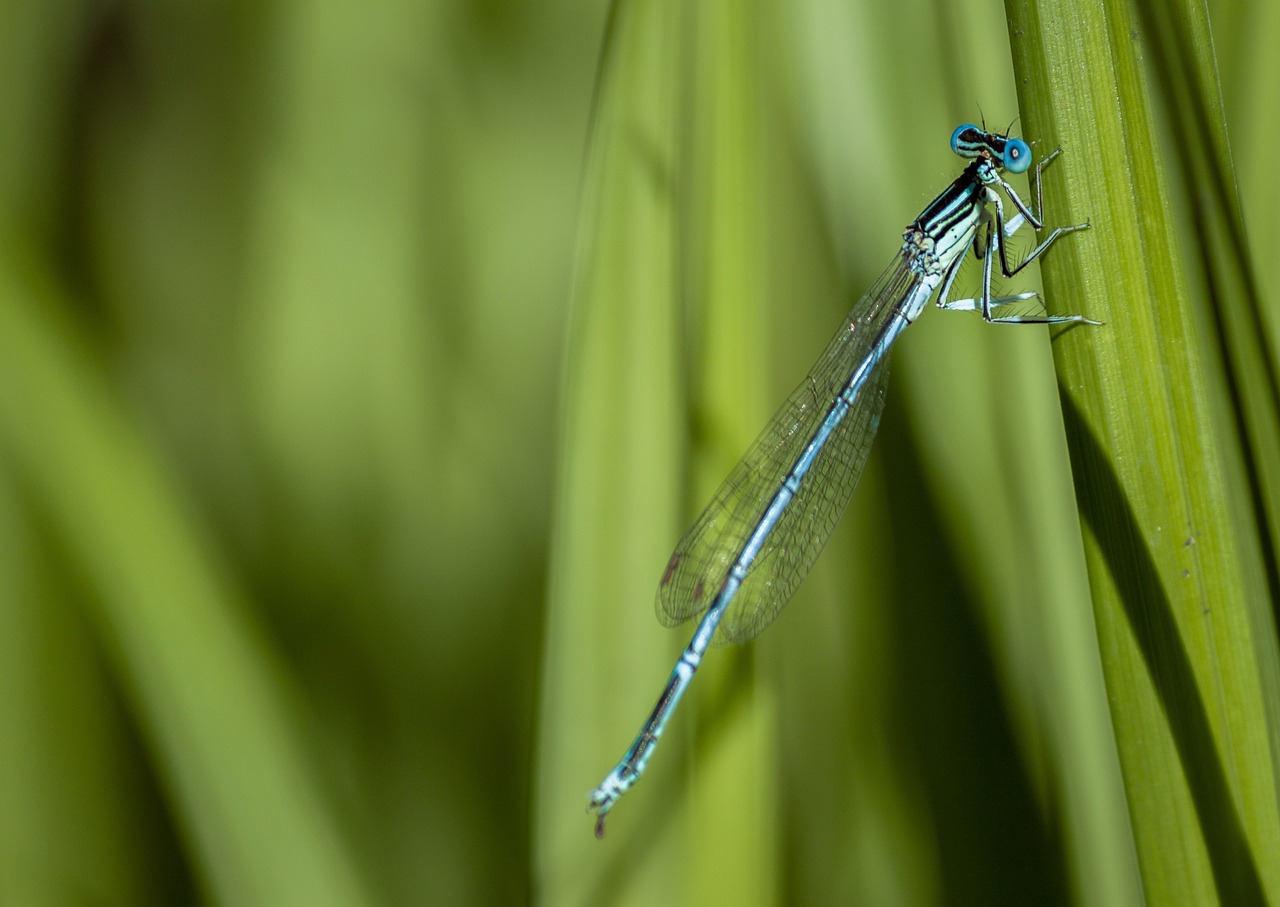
{"x":703,"y":558}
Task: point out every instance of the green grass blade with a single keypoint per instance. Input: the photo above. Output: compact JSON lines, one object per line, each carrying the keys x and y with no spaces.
{"x":725,"y":275}
{"x":672,"y":239}
{"x":205,"y":691}
{"x":1179,"y":568}
{"x":1246,"y":35}
{"x":618,"y":484}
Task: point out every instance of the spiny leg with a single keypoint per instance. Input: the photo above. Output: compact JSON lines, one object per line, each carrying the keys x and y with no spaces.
{"x":1002,"y":232}
{"x":1036,"y":189}
{"x":986,"y":251}
{"x":976,"y":303}
{"x":997,"y":238}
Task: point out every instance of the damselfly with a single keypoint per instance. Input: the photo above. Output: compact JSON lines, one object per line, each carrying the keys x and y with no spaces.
{"x":745,"y":556}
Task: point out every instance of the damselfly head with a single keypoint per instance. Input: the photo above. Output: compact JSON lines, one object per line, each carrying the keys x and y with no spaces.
{"x":1007,"y":152}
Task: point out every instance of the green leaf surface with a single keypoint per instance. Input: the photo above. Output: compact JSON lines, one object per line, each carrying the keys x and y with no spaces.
{"x":206,"y":694}
{"x":1165,"y":472}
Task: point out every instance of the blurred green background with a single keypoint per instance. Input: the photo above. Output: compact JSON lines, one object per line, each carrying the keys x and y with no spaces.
{"x":326,"y":565}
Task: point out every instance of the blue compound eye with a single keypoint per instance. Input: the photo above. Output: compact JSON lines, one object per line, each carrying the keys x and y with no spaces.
{"x":963,"y":140}
{"x":1017,"y":156}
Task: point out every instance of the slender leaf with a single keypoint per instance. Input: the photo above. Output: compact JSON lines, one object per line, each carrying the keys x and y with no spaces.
{"x":1179,"y":573}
